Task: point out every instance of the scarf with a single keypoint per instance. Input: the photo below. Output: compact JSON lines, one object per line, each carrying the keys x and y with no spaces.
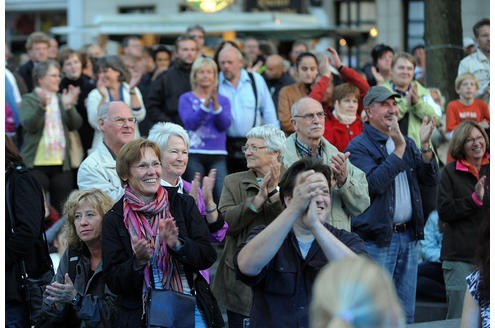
{"x":142,"y":220}
{"x":53,"y":131}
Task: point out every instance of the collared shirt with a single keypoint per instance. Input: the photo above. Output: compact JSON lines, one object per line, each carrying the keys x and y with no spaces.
{"x":179,"y":185}
{"x":242,"y":101}
{"x":304,"y":150}
{"x":403,"y":206}
{"x":479,"y":65}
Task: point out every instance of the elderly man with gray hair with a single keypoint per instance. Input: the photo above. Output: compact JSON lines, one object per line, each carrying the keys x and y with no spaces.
{"x":350,"y":188}
{"x":117,"y":123}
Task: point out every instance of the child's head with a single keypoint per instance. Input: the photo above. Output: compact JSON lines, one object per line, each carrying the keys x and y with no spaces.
{"x":466,"y":85}
{"x":346,"y":100}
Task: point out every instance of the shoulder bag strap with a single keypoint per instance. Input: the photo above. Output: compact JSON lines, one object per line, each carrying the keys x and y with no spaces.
{"x":255,"y":91}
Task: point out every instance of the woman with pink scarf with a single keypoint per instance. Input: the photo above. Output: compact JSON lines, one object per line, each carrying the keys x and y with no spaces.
{"x":153,"y":229}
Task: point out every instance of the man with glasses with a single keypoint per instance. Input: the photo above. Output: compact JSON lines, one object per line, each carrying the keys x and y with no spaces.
{"x":117,"y":124}
{"x":350,"y":188}
{"x":165,"y":90}
{"x":37,"y":46}
{"x":395,"y":169}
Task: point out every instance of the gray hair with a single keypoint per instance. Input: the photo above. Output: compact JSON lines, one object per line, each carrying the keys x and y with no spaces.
{"x":103,"y":110}
{"x":295,"y":106}
{"x":160,"y":132}
{"x":273,"y":137}
{"x":41,"y":69}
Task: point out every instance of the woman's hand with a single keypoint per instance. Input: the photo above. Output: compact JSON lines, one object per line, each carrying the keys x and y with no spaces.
{"x":377,"y":75}
{"x":169,"y":233}
{"x":43,"y":96}
{"x":136,"y":75}
{"x":194,"y":192}
{"x":208,"y":186}
{"x":334,"y":58}
{"x":61,"y":292}
{"x":479,"y":188}
{"x":142,"y":251}
{"x":69,"y":98}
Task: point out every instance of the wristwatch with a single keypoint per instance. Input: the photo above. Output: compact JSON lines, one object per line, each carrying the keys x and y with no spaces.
{"x":273,"y":192}
{"x":76,"y":301}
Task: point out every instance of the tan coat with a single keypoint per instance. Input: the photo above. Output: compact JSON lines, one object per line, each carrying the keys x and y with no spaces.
{"x":349,"y":200}
{"x":239,"y":190}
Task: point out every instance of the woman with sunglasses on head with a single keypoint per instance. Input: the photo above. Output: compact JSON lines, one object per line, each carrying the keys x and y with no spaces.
{"x":114,"y":83}
{"x":249,"y":198}
{"x":46,"y":117}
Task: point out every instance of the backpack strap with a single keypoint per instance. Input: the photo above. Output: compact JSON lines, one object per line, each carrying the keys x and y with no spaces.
{"x":255,"y":91}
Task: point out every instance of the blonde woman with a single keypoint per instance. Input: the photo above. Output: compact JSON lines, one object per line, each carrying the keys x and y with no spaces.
{"x":78,"y":295}
{"x":206,"y":117}
{"x":355,"y":292}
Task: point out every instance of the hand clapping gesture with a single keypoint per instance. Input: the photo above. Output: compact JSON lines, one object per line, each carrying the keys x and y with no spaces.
{"x":169,"y":232}
{"x":61,"y":292}
{"x":339,"y":167}
{"x":69,"y":97}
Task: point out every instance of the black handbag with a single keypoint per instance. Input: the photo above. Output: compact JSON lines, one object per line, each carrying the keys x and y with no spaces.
{"x":32,"y":288}
{"x":167,"y":308}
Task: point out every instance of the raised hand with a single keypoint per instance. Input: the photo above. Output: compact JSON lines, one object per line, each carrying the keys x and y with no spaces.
{"x":339,"y":167}
{"x":378,"y":77}
{"x":194,"y":192}
{"x":479,"y":188}
{"x":142,"y":250}
{"x":69,"y":97}
{"x":426,"y":129}
{"x":334,"y":58}
{"x":169,"y":232}
{"x":208,"y":186}
{"x":61,"y":292}
{"x":43,"y":96}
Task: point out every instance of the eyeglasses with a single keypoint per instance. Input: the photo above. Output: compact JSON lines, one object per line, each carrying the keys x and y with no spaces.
{"x":310,"y":116}
{"x":472,"y":140}
{"x":253,"y":148}
{"x":120,"y":121}
{"x":143,"y":167}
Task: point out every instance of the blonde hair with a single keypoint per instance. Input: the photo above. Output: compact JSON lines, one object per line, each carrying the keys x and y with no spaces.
{"x":99,"y":200}
{"x":355,"y":292}
{"x":466,"y":76}
{"x":200,"y":63}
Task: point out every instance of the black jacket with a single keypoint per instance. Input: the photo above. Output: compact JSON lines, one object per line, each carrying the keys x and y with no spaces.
{"x":164,"y":92}
{"x":26,"y":71}
{"x":462,"y":216}
{"x":24,"y":241}
{"x":196,"y":254}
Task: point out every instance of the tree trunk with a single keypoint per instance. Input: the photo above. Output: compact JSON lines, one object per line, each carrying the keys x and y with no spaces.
{"x":443,"y":45}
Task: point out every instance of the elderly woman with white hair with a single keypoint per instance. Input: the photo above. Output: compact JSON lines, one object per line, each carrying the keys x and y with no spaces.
{"x":249,"y":198}
{"x":173,"y":142}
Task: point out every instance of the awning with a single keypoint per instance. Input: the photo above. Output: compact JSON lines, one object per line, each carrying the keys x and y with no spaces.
{"x":266,"y":25}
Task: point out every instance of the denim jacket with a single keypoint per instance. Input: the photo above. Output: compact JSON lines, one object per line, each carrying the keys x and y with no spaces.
{"x":369,"y":153}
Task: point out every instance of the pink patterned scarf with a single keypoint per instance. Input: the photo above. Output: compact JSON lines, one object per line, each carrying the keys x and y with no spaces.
{"x":135,"y":214}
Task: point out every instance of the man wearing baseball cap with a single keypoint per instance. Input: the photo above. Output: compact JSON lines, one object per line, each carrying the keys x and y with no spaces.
{"x":395,"y":168}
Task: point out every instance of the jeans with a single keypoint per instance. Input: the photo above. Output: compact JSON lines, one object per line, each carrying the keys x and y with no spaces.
{"x":455,"y":273}
{"x":203,"y":163}
{"x":400,"y":258}
{"x":16,"y":315}
{"x":199,"y":322}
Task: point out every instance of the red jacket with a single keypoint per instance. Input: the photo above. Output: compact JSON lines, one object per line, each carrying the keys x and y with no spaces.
{"x":340,"y":134}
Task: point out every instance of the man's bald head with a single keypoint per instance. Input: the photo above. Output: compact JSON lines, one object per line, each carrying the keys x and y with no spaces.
{"x":275,"y":67}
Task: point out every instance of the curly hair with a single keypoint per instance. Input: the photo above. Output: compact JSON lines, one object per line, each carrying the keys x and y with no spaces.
{"x":99,"y":200}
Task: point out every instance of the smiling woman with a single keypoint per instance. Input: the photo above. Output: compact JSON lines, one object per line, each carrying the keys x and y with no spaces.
{"x":151,"y":232}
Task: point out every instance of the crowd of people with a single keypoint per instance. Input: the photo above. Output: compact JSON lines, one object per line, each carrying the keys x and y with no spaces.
{"x":314,"y":181}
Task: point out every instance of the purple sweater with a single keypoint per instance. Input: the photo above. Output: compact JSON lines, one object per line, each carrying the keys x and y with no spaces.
{"x":207,"y":130}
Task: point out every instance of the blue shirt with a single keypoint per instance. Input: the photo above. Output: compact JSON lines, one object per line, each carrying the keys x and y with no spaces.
{"x":242,"y":102}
